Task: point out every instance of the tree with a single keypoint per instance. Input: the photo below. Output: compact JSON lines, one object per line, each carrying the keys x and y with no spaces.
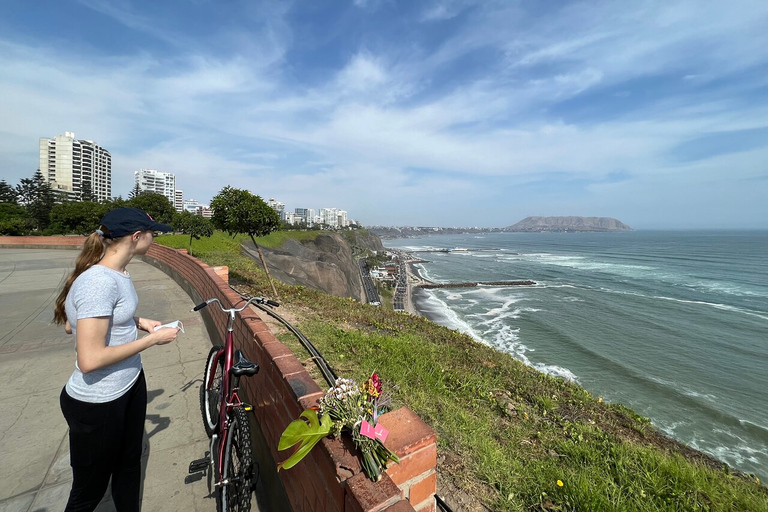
{"x":14,"y":220}
{"x":156,"y":205}
{"x":86,"y":191}
{"x":77,"y":217}
{"x":36,"y":195}
{"x":7,"y":193}
{"x":238,"y":211}
{"x":193,"y":225}
{"x":135,"y":192}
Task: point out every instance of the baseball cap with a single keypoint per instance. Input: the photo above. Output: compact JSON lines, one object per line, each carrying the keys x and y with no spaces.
{"x":126,"y":220}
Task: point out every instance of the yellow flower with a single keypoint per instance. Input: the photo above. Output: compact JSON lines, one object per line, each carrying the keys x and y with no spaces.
{"x":600,"y":399}
{"x":560,"y":483}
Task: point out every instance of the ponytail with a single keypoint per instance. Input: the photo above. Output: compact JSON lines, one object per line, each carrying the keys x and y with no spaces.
{"x":93,"y":250}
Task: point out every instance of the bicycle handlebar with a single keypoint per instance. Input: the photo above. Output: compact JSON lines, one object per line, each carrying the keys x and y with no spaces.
{"x":252,"y":300}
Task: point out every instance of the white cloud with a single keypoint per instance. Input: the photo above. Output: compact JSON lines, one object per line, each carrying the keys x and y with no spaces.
{"x":238,"y":117}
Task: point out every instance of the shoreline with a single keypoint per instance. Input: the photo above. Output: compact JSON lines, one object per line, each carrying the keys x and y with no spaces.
{"x":412,"y":277}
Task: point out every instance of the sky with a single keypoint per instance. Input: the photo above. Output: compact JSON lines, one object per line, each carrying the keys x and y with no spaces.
{"x":418,"y":113}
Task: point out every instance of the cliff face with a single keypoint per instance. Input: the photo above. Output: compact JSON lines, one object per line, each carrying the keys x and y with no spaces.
{"x":569,"y":224}
{"x":328,"y":263}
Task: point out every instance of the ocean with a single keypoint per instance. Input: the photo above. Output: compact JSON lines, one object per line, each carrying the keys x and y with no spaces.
{"x":671,"y":324}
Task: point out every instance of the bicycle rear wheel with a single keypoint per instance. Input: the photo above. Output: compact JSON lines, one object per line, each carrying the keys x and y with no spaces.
{"x":210,"y":396}
{"x":235,"y":496}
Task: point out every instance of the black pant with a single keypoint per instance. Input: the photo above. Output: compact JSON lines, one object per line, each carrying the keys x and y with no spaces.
{"x":105,"y":440}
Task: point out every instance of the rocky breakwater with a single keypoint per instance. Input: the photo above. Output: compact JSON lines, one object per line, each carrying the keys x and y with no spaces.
{"x":327,"y":263}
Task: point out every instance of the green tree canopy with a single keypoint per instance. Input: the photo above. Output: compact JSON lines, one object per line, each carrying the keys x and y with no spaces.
{"x":7,"y":193}
{"x":14,"y":220}
{"x":239,"y":211}
{"x":36,"y":195}
{"x":193,"y":225}
{"x":157,"y":205}
{"x":135,"y":192}
{"x":77,"y":217}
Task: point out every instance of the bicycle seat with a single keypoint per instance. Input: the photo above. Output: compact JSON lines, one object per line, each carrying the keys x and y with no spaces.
{"x":243,"y":367}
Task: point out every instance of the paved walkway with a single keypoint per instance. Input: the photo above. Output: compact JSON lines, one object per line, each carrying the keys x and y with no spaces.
{"x":36,"y":359}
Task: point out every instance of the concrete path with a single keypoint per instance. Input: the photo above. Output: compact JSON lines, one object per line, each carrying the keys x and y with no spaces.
{"x":36,"y":359}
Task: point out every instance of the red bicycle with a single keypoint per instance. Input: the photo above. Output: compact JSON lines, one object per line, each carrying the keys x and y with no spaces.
{"x":225,"y":419}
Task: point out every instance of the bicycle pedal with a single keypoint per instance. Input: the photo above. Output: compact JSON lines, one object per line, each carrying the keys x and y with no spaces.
{"x":199,"y":465}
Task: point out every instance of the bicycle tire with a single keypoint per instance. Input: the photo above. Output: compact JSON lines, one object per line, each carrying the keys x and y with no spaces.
{"x":210,"y":398}
{"x":238,"y":465}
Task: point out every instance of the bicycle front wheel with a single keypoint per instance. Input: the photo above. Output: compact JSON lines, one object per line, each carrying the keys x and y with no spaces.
{"x":210,"y":395}
{"x":235,"y":495}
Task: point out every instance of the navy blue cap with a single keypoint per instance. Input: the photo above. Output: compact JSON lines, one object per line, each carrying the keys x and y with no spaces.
{"x":125,"y":221}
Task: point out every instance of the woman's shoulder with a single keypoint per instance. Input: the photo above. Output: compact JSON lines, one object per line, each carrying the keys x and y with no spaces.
{"x":97,"y":275}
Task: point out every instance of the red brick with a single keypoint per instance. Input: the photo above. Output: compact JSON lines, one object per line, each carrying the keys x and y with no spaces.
{"x":344,"y":456}
{"x":289,"y":365}
{"x":413,"y":465}
{"x":427,"y":506}
{"x":366,"y":496}
{"x":423,"y":489}
{"x":400,"y":506}
{"x":407,"y":432}
{"x":276,"y":350}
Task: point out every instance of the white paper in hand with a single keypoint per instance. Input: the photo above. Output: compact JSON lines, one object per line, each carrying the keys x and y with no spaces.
{"x":176,"y":324}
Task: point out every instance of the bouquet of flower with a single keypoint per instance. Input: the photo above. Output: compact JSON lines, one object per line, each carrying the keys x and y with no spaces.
{"x":346,"y":407}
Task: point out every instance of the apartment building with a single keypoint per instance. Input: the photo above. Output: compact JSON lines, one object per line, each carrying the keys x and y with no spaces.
{"x":277,"y":206}
{"x":68,"y":163}
{"x":159,"y":182}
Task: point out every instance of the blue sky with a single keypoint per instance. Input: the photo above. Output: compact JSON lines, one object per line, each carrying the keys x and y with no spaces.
{"x":448,"y":113}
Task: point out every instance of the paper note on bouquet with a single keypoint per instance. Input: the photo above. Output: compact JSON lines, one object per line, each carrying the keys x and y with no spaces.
{"x":368,"y":431}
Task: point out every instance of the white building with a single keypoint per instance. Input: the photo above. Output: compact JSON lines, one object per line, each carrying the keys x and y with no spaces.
{"x":159,"y":182}
{"x":192,"y":206}
{"x":68,"y":163}
{"x":329,"y":217}
{"x":305,"y":216}
{"x":178,"y":201}
{"x":342,"y":221}
{"x":277,"y":206}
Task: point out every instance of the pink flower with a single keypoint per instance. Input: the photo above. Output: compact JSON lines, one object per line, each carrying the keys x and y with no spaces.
{"x":374,"y":379}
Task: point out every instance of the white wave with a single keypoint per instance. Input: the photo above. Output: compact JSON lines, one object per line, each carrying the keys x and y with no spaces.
{"x":556,"y":371}
{"x":695,"y":394}
{"x":753,"y":425}
{"x":724,"y":307}
{"x":451,"y":319}
{"x":498,"y":335}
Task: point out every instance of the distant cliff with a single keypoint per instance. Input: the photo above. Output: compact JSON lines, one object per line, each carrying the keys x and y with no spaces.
{"x":327,"y":263}
{"x":581,"y":224}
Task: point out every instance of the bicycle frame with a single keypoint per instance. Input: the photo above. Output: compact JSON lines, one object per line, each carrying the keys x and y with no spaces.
{"x":229,"y":394}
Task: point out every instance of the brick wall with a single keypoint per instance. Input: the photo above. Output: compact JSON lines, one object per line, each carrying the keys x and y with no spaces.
{"x":330,"y":478}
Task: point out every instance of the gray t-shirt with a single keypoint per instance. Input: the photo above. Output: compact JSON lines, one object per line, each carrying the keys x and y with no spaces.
{"x":102,"y":291}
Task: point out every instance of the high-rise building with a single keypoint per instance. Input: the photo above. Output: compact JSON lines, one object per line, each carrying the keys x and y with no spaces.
{"x":277,"y":206}
{"x":329,"y":217}
{"x":305,"y":215}
{"x":178,"y":202}
{"x":67,"y":163}
{"x":159,"y":182}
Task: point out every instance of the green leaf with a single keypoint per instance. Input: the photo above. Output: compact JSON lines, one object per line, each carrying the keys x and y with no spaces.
{"x":308,"y":432}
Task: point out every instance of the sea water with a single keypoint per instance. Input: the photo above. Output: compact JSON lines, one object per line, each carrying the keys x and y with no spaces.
{"x":671,"y":324}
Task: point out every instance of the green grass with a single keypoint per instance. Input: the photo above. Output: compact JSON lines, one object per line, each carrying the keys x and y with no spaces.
{"x":506,"y":433}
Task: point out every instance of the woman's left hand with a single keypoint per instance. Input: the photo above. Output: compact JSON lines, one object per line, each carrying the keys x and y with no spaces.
{"x":147,"y":324}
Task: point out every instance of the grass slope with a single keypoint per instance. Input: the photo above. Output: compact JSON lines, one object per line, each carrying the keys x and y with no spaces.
{"x":509,"y":436}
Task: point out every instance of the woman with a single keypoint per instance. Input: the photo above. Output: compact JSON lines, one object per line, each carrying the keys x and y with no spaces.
{"x":105,"y":399}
